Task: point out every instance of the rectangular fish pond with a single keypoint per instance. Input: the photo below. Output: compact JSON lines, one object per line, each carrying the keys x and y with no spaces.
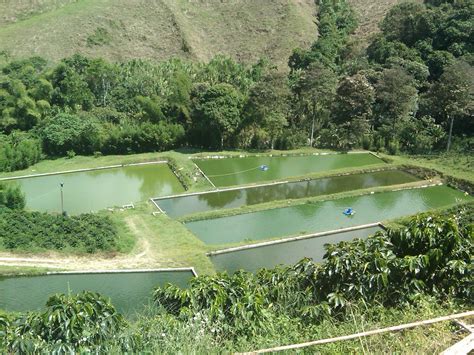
{"x":247,"y":170}
{"x":98,"y":189}
{"x":201,"y":202}
{"x":283,"y":252}
{"x":323,"y":216}
{"x":129,"y":291}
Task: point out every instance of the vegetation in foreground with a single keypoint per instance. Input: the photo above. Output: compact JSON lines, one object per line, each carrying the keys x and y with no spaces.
{"x":419,"y":271}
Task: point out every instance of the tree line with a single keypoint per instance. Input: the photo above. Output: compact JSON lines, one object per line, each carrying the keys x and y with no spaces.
{"x":408,"y":90}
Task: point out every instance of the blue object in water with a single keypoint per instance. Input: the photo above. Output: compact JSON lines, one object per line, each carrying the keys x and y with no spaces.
{"x":348,"y":212}
{"x":264,"y":167}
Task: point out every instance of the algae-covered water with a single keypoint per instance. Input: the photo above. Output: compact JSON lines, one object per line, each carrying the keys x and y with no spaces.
{"x":129,"y":292}
{"x":181,"y":206}
{"x":95,"y":190}
{"x":269,"y":256}
{"x":323,"y":215}
{"x":239,"y":171}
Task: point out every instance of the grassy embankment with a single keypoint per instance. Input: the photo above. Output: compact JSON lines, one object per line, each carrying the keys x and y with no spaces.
{"x":187,"y":338}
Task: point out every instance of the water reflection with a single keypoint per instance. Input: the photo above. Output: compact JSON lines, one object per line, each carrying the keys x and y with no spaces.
{"x":181,"y":206}
{"x":95,"y":190}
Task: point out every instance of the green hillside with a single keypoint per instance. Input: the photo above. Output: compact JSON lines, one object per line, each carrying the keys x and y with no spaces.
{"x":158,"y":29}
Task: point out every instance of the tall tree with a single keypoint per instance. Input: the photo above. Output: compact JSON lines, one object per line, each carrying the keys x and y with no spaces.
{"x":396,"y":101}
{"x":267,"y":107}
{"x":352,"y":110}
{"x":315,"y":89}
{"x":217,"y":113}
{"x":452,"y":96}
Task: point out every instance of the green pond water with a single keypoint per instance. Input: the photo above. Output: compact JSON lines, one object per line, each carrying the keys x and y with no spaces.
{"x":129,"y":292}
{"x":239,"y":171}
{"x":99,"y":189}
{"x":283,"y":253}
{"x":180,"y":206}
{"x":323,"y":215}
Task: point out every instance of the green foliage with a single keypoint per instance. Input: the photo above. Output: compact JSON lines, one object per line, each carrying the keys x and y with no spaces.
{"x":11,"y":196}
{"x":429,"y":256}
{"x":100,"y":37}
{"x":336,"y":22}
{"x":69,"y":132}
{"x":69,"y":323}
{"x":217,"y":113}
{"x":27,"y":231}
{"x":265,"y":112}
{"x":18,"y":151}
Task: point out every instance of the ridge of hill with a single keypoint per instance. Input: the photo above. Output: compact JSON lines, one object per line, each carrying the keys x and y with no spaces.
{"x":157,"y":29}
{"x":120,"y":30}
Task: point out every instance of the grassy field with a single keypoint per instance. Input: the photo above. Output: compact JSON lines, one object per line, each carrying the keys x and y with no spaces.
{"x":157,"y":29}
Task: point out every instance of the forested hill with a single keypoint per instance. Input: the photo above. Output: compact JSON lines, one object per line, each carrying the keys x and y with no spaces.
{"x":119,"y":30}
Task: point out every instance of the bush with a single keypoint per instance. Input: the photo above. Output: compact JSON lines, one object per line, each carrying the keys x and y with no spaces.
{"x":429,"y":256}
{"x":18,"y":151}
{"x":25,"y":231}
{"x":69,"y":322}
{"x":66,"y":132}
{"x":11,"y":197}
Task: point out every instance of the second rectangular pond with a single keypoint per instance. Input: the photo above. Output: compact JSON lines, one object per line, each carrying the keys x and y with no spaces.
{"x":183,"y":205}
{"x":323,"y":216}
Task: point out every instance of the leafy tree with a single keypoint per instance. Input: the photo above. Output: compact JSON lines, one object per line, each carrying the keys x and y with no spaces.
{"x":402,"y":23}
{"x":352,"y":110}
{"x":314,"y":91}
{"x":216,"y":113}
{"x":420,"y":135}
{"x":18,"y":151}
{"x":452,"y":96}
{"x":70,"y":90}
{"x":11,"y":196}
{"x":68,"y":132}
{"x":69,"y":323}
{"x":396,"y":101}
{"x":179,"y":100}
{"x":151,"y":108}
{"x":267,"y":108}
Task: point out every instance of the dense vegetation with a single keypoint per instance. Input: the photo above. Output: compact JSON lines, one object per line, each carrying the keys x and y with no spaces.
{"x":36,"y":231}
{"x":11,"y":197}
{"x":427,"y":260}
{"x":407,"y":91}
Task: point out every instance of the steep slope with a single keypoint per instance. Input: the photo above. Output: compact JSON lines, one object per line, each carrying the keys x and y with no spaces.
{"x":370,"y":13}
{"x":158,"y":29}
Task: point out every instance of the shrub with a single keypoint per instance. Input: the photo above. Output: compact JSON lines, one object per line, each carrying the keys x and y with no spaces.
{"x":23,"y":230}
{"x":69,"y":322}
{"x":11,"y":196}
